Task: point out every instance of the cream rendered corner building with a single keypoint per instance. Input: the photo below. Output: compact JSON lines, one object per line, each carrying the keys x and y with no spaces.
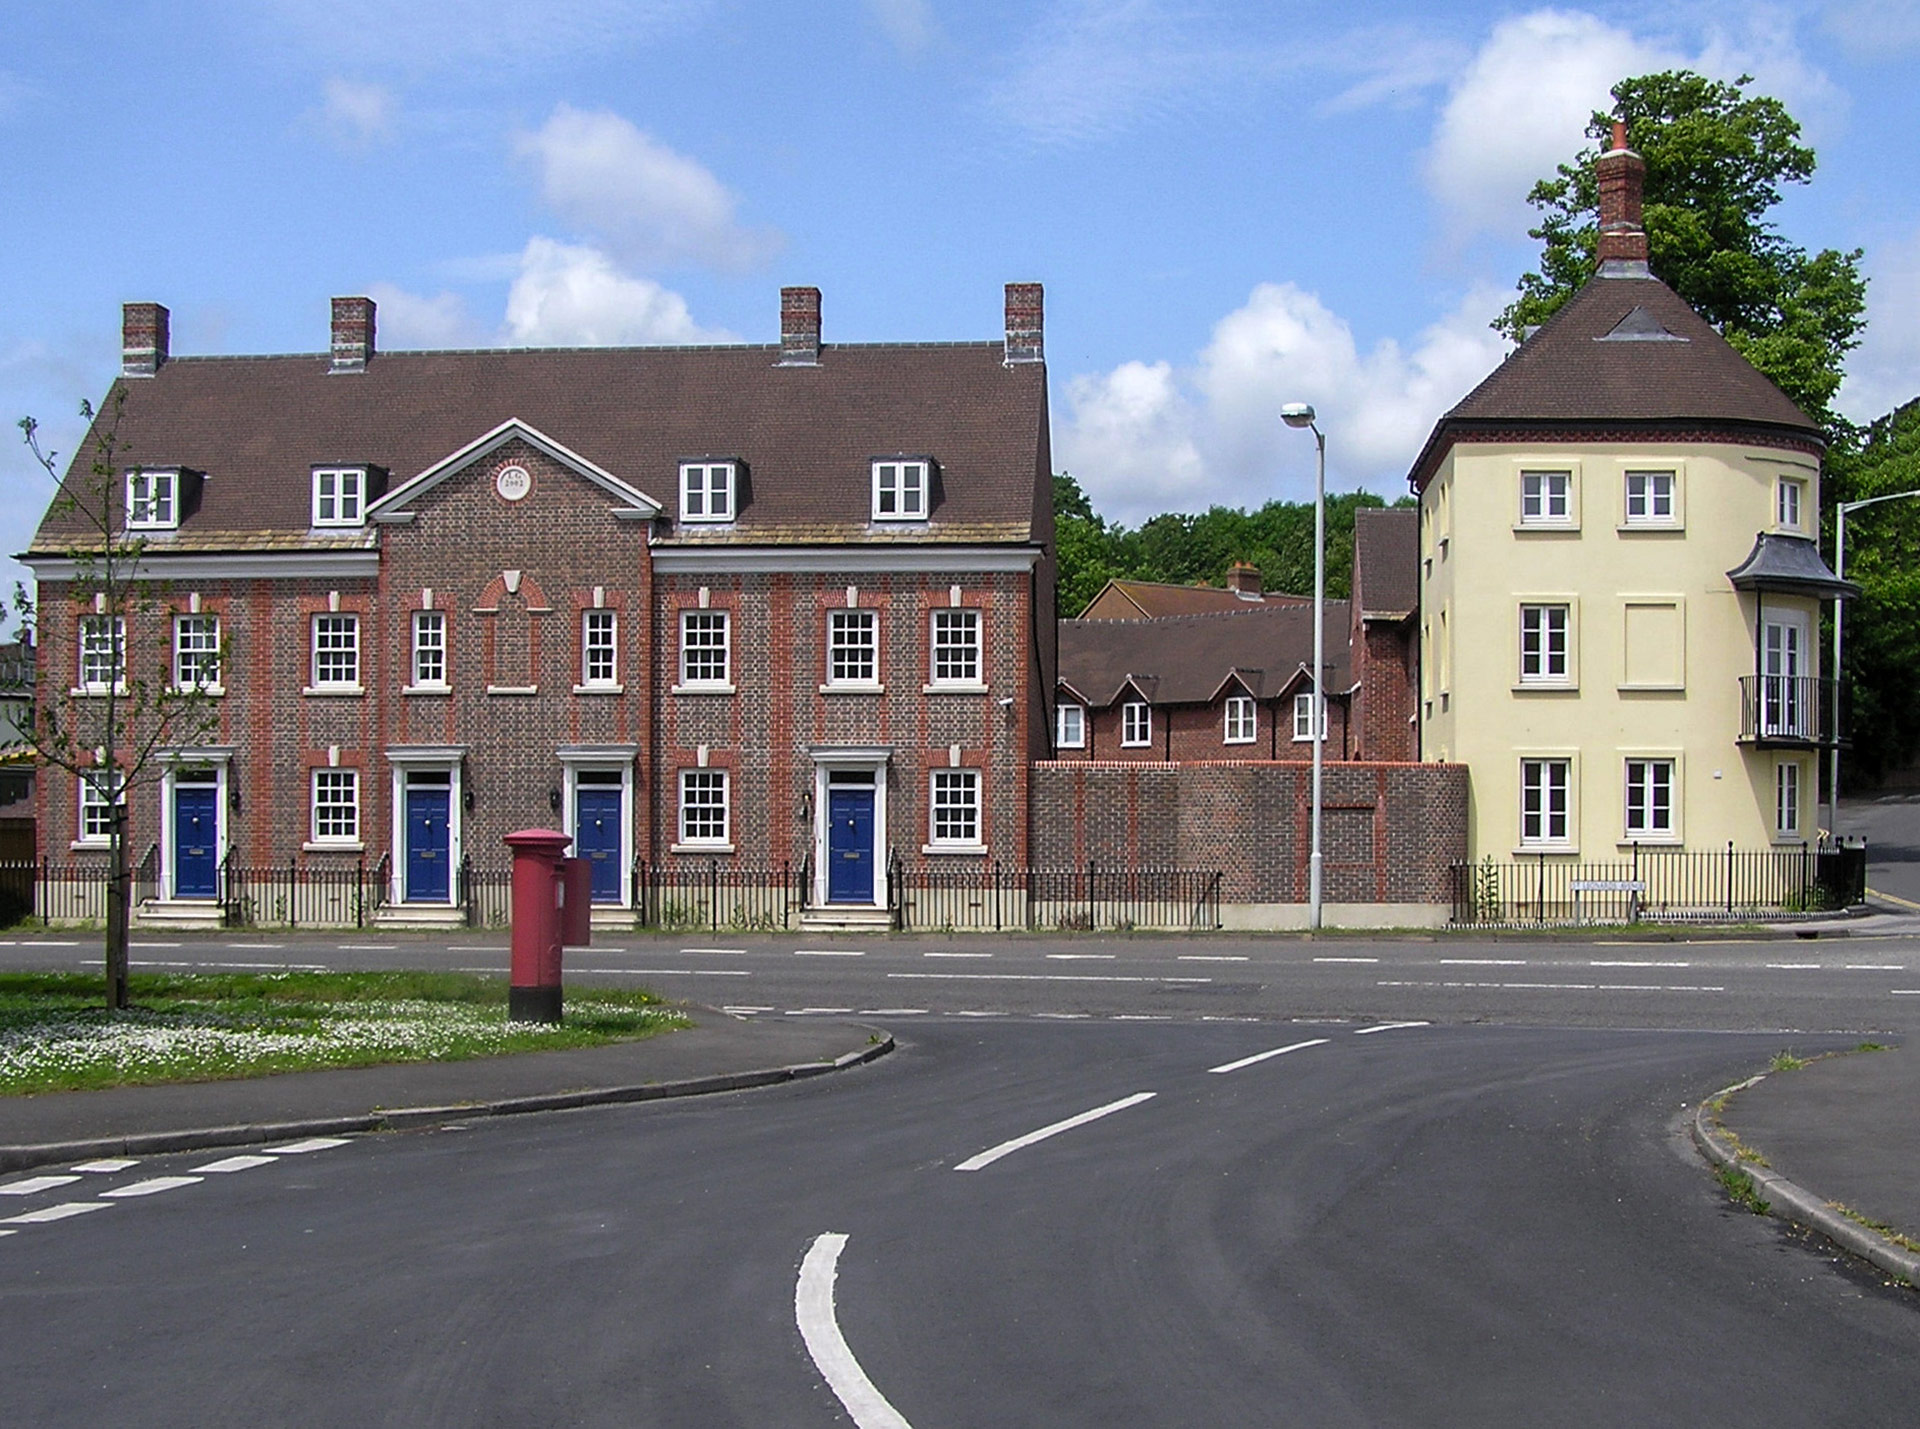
{"x":1620,"y":590}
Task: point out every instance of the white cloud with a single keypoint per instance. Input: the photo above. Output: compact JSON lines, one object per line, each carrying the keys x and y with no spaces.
{"x":1144,"y":438}
{"x":572,"y":296}
{"x":641,"y":199}
{"x":909,"y":24}
{"x":1884,"y":371}
{"x":406,"y":319}
{"x":357,"y":114}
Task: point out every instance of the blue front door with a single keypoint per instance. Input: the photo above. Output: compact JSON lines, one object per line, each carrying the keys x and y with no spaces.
{"x":850,"y":846}
{"x":196,"y":857}
{"x":596,"y":837}
{"x":429,"y":844}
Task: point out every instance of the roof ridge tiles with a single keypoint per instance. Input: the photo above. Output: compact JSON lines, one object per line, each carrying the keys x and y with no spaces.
{"x":402,"y":353}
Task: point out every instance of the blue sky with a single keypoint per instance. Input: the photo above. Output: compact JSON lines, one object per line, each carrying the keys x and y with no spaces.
{"x":1232,"y":205}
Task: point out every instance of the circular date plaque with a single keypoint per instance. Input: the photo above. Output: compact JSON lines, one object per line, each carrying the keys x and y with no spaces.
{"x":513,"y":482}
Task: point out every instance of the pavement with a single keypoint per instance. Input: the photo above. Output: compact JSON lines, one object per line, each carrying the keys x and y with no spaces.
{"x":718,"y":1053}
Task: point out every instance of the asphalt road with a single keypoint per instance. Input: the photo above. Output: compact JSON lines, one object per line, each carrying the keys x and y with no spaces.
{"x":1432,"y":1225}
{"x":1856,"y":984}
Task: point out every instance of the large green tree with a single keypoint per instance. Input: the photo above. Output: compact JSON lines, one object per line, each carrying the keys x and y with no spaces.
{"x":1716,"y":158}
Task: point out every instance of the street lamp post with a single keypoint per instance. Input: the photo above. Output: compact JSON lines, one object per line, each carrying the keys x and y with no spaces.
{"x":1301,"y":414}
{"x":1839,"y":620}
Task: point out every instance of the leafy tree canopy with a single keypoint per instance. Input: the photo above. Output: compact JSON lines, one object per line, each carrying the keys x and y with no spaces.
{"x":1716,"y":157}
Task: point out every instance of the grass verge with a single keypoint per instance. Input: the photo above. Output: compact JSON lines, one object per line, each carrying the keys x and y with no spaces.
{"x":56,"y":1036}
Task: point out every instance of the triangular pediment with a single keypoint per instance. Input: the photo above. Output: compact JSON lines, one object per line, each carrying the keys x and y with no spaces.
{"x":631,"y":502}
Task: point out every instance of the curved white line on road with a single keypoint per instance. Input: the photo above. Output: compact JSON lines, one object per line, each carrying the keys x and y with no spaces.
{"x":813,"y":1310}
{"x":1262,"y":1056}
{"x":1387,"y":1027}
{"x":1007,"y":1148}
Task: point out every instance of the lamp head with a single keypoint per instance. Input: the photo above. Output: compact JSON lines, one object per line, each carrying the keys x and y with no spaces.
{"x":1297,"y":414}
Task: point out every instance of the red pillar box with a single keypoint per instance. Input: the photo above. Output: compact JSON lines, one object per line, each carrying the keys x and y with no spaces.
{"x":539,"y":856}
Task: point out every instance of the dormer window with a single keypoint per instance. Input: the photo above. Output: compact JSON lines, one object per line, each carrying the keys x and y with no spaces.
{"x":153,"y":500}
{"x":707,"y":490}
{"x":900,"y":490}
{"x":339,"y":496}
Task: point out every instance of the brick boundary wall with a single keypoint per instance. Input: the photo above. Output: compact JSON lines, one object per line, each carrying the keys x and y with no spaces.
{"x":1389,"y":831}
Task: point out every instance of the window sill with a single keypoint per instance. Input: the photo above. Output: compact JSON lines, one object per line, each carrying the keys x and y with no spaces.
{"x":215,"y":690}
{"x":427,"y":690}
{"x":1651,"y":689}
{"x":854,"y":687}
{"x":96,"y":692}
{"x":1546,"y":687}
{"x":1250,"y":739}
{"x":701,"y":689}
{"x":1136,"y":744}
{"x":968,"y":850}
{"x":90,"y":845}
{"x":1554,"y":850}
{"x":599,"y":689}
{"x":1651,"y":528}
{"x":336,"y":692}
{"x":513,"y":689}
{"x":1060,"y":745}
{"x":330,"y":846}
{"x":699,"y":848}
{"x":1546,"y":528}
{"x":1628,"y":842}
{"x":955,"y":687}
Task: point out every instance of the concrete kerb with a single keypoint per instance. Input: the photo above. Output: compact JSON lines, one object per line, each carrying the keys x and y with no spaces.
{"x":1792,"y":1202}
{"x":157,"y":1143}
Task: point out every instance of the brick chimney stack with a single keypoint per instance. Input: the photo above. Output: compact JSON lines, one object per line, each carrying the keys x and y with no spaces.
{"x":352,"y":334}
{"x":1243,"y":579}
{"x":1623,"y":239}
{"x":799,"y":327}
{"x":1026,"y":323}
{"x":143,"y":339}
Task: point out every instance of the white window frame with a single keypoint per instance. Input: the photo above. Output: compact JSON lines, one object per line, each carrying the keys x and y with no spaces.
{"x":1657,"y":487}
{"x":341,"y":828}
{"x":953,"y":810}
{"x":1070,"y":725}
{"x":1538,"y":488}
{"x":956,"y":649}
{"x":1786,"y":799}
{"x":339,"y":496}
{"x":198,"y":667}
{"x":344,"y":628}
{"x":1136,"y":725}
{"x":717,"y":827}
{"x":1304,"y":705}
{"x":102,"y":648}
{"x":1652,"y":799}
{"x":1546,"y":802}
{"x":853,"y":645}
{"x":1546,"y":643}
{"x":599,"y":648}
{"x":1790,"y":503}
{"x":425,"y":653}
{"x":153,"y":499}
{"x":709,"y":490}
{"x":901,"y":488}
{"x":706,"y":652}
{"x":93,"y":809}
{"x":1241,"y":722}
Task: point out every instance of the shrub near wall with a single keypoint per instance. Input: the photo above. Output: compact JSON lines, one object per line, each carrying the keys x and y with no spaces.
{"x":1389,"y":832}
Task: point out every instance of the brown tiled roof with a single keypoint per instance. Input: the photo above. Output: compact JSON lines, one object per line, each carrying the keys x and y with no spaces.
{"x":1134,"y":600}
{"x":257,"y":425}
{"x":1386,"y":561}
{"x":1623,"y":352}
{"x":1183,"y":659}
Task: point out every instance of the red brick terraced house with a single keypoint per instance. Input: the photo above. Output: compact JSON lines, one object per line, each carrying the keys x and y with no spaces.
{"x":782,"y":607}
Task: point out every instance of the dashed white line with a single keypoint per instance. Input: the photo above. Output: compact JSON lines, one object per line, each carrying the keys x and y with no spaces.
{"x":48,"y":943}
{"x":64,"y":1211}
{"x":251,"y":947}
{"x":1048,"y":977}
{"x":1212,"y":957}
{"x":34,"y":1185}
{"x":718,"y":952}
{"x":956,"y":955}
{"x":1792,"y":967}
{"x":312,"y":1143}
{"x":1081,"y":957}
{"x":893,"y":1012}
{"x":1063,"y":1016}
{"x":366,"y":947}
{"x":813,"y":1312}
{"x":1007,"y":1148}
{"x":1876,"y":967}
{"x":1905,"y":991}
{"x":1563,"y":986}
{"x":141,"y":943}
{"x":236,"y":1163}
{"x":1483,"y":962}
{"x":1263,"y":1056}
{"x":1346,"y":960}
{"x":240,"y":967}
{"x":818,"y":1011}
{"x":1387,"y":1027}
{"x":828,"y":953}
{"x":1141,"y":1017}
{"x":1633,"y":963}
{"x":153,"y":1185}
{"x":735,"y":1010}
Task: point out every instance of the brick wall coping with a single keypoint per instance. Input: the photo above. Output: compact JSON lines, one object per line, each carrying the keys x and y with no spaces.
{"x":1329,"y":764}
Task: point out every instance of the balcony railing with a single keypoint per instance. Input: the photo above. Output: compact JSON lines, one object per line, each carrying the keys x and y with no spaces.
{"x":1789,"y":711}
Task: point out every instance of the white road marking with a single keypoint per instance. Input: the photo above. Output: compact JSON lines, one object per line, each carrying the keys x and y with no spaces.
{"x":982,"y":1013}
{"x":1633,"y":963}
{"x":144,"y":944}
{"x":1007,"y":1148}
{"x":1876,"y":967}
{"x":1081,"y":957}
{"x":813,"y":1311}
{"x":3,"y":1231}
{"x":1565,"y":986}
{"x":1141,"y":1017}
{"x":245,"y":967}
{"x":64,"y":1211}
{"x":1346,"y":960}
{"x":48,"y":943}
{"x":476,"y":948}
{"x":312,"y":1143}
{"x":1263,"y":1056}
{"x":1048,"y":977}
{"x":818,"y":1011}
{"x":153,"y":1185}
{"x":34,"y":1185}
{"x":1483,"y":962}
{"x":1792,"y":967}
{"x":726,"y":952}
{"x":1387,"y":1027}
{"x":893,"y":1012}
{"x":1064,"y":1016}
{"x":1212,"y":957}
{"x":956,"y":955}
{"x":251,"y":947}
{"x":108,"y":1165}
{"x":1905,"y":991}
{"x":641,"y":972}
{"x":739,"y":1011}
{"x":236,"y":1163}
{"x":828,"y":953}
{"x":366,"y":947}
